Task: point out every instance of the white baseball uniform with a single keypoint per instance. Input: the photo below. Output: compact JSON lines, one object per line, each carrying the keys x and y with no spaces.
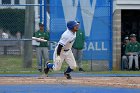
{"x":67,"y":39}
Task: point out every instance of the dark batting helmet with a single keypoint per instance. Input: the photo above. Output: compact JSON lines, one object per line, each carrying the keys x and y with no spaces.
{"x":71,"y":24}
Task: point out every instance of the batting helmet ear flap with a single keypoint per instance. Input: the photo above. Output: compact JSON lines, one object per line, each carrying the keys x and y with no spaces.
{"x":71,"y":24}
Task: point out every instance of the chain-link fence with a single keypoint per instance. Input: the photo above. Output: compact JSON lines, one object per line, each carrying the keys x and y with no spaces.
{"x":95,"y":18}
{"x":18,"y":22}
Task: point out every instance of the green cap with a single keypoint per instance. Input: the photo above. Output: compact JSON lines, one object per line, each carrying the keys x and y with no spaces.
{"x":41,"y":24}
{"x":133,"y":35}
{"x":126,"y":38}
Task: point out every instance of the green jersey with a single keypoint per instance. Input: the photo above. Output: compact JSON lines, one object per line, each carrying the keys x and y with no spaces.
{"x":79,"y":41}
{"x":132,"y":47}
{"x":43,"y":35}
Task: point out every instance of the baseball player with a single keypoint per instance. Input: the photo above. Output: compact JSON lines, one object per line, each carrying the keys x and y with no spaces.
{"x":42,"y":48}
{"x":132,"y":50}
{"x":63,"y":50}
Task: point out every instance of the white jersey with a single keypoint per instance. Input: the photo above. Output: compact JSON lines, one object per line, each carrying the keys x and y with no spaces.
{"x":67,"y":39}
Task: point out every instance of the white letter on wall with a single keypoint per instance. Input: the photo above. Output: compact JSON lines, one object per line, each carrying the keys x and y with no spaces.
{"x":70,"y":9}
{"x":87,"y":10}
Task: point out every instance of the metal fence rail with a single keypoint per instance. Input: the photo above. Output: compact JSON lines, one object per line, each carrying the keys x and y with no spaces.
{"x":16,"y":37}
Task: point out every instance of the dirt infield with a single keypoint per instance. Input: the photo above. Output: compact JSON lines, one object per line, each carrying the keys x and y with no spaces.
{"x":127,"y":82}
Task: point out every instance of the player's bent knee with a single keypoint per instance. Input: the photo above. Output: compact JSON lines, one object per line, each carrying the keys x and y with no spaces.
{"x":73,"y":67}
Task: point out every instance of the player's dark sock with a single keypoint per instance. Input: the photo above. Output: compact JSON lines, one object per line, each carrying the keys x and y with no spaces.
{"x":50,"y":65}
{"x":68,"y":70}
{"x":67,"y":73}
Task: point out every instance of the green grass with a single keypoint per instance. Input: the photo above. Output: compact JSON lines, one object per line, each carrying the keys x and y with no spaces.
{"x":14,"y":65}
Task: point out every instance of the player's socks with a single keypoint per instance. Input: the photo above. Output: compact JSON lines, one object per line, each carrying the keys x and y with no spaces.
{"x":68,"y":70}
{"x":50,"y":65}
{"x":67,"y":73}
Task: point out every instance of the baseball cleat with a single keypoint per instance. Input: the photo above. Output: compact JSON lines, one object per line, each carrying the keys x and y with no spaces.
{"x":46,"y":70}
{"x":81,"y":69}
{"x":40,"y":70}
{"x":67,"y":75}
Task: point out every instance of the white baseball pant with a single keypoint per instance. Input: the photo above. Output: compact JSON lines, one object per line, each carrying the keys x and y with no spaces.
{"x":64,"y":55}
